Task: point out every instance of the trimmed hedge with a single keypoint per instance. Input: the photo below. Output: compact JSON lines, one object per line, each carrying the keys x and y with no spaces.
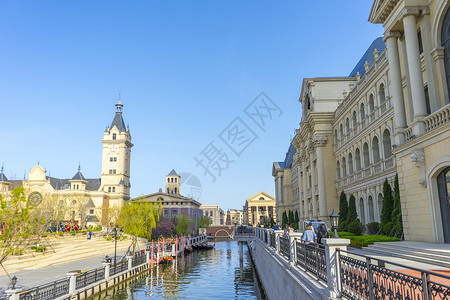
{"x":359,"y":241}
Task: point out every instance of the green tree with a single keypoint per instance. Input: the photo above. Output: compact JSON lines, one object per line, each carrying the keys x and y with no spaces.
{"x":296,"y":219}
{"x":343,"y":207}
{"x":183,"y":224}
{"x":396,"y":217}
{"x":19,"y":224}
{"x":204,"y":222}
{"x":139,"y":218}
{"x":291,"y":217}
{"x":352,"y":216}
{"x":388,"y":205}
{"x":284,"y":219}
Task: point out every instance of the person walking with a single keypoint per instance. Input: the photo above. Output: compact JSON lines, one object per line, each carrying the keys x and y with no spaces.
{"x":309,"y":236}
{"x":322,"y":234}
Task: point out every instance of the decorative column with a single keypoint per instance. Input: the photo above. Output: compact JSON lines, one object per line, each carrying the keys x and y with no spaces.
{"x":304,"y":185}
{"x":320,"y":141}
{"x":391,"y":40}
{"x":313,"y":178}
{"x":415,"y":70}
{"x":72,"y":281}
{"x":107,"y":266}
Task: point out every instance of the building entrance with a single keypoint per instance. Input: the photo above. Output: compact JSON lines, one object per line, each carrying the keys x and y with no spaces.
{"x":443,"y":180}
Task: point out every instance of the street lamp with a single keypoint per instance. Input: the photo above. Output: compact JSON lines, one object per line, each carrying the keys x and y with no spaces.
{"x":13,"y":282}
{"x":115,"y":245}
{"x":334,"y":220}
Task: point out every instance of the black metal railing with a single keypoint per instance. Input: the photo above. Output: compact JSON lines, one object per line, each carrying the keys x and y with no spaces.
{"x":265,"y":234}
{"x":312,"y":258}
{"x":89,"y":277}
{"x":362,"y":279}
{"x":273,"y":243}
{"x":285,"y":248}
{"x":138,"y":260}
{"x":48,"y":291}
{"x":118,"y":268}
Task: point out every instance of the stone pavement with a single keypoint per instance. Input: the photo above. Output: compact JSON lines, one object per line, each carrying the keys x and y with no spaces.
{"x":71,"y":253}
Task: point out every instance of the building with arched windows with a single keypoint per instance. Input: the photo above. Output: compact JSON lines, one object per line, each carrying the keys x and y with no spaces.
{"x":390,"y":115}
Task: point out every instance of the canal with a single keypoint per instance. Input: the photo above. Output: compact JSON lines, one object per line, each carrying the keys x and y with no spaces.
{"x":205,"y":274}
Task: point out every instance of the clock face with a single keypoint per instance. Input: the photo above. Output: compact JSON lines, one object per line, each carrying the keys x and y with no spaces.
{"x":113,"y":148}
{"x":35,"y":198}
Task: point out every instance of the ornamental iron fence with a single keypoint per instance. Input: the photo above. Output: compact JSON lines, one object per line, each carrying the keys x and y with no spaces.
{"x":362,"y":279}
{"x":89,"y":277}
{"x":311,"y":257}
{"x":272,"y":240}
{"x":139,"y":260}
{"x":48,"y":291}
{"x":119,"y":267}
{"x":285,"y":247}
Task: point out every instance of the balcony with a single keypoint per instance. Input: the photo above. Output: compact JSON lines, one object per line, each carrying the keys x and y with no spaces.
{"x":438,"y":118}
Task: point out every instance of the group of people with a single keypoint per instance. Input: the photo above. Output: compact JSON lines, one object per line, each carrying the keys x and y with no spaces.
{"x":312,"y":235}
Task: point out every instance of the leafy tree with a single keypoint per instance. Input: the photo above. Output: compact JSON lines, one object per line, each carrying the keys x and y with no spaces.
{"x":163,"y":228}
{"x":388,"y":205}
{"x":139,"y":218}
{"x":183,"y":224}
{"x":19,"y":223}
{"x":352,"y":216}
{"x":397,"y":229}
{"x":204,"y":222}
{"x":343,"y":207}
{"x":296,"y":218}
{"x":291,"y":217}
{"x":284,"y":219}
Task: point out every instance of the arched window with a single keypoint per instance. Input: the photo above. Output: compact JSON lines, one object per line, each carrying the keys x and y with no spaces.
{"x":380,"y":205}
{"x":366,"y":155}
{"x":114,"y":189}
{"x":175,"y":180}
{"x":344,"y":170}
{"x":341,"y":130}
{"x":354,"y":120}
{"x":445,"y":38}
{"x":168,"y":180}
{"x":375,"y":150}
{"x":362,"y":215}
{"x":362,"y":113}
{"x":338,"y":170}
{"x":387,"y":147}
{"x":347,"y":126}
{"x":171,"y":179}
{"x":370,"y":207}
{"x":350,"y":163}
{"x":335,"y":136}
{"x":382,"y":93}
{"x":175,"y":190}
{"x":443,"y":181}
{"x":358,"y":159}
{"x":109,"y":189}
{"x":168,"y":191}
{"x":371,"y":103}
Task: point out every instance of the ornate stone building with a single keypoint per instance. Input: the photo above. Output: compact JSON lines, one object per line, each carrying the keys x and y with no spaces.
{"x":85,"y":199}
{"x":286,"y":187}
{"x":390,"y":115}
{"x":258,"y":208}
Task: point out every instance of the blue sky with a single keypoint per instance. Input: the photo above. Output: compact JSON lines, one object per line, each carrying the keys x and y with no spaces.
{"x":185,"y":71}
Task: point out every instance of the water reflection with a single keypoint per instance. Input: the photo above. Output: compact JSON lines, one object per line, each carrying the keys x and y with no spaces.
{"x":209,"y":274}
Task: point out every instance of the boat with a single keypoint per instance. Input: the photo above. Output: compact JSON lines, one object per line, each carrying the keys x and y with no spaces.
{"x":188,"y":250}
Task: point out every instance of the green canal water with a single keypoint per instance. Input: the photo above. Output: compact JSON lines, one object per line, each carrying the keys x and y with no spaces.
{"x":208,"y":274}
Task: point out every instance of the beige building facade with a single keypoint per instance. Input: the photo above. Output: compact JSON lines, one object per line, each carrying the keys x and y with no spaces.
{"x":87,"y":201}
{"x":215,"y":214}
{"x":259,"y":208}
{"x":236,"y":217}
{"x":390,"y":115}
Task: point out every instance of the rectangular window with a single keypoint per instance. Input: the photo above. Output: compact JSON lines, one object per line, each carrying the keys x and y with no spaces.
{"x":419,"y":37}
{"x":115,"y":158}
{"x":114,"y":171}
{"x":114,"y":136}
{"x":91,"y":211}
{"x":110,"y":171}
{"x":427,"y":100}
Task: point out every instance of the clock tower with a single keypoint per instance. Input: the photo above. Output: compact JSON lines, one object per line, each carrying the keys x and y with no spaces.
{"x":115,"y":182}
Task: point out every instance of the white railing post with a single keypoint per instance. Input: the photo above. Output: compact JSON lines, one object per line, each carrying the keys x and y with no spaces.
{"x":72,"y":281}
{"x":332,"y":259}
{"x":13,"y":294}
{"x":292,"y":246}
{"x":107,"y":269}
{"x":130,"y":262}
{"x":269,"y":237}
{"x":278,"y":233}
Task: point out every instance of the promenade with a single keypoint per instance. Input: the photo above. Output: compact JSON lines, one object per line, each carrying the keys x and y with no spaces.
{"x":65,"y":254}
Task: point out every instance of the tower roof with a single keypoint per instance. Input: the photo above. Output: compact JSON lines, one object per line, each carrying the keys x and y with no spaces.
{"x":78,"y":175}
{"x":118,"y":120}
{"x":172,"y":173}
{"x":2,"y":176}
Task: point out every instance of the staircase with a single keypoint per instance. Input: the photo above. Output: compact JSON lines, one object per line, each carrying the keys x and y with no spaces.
{"x":433,"y":254}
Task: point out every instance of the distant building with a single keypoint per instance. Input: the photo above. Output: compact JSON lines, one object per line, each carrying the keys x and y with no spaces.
{"x":236,"y":217}
{"x":259,"y":208}
{"x":214,"y":213}
{"x":84,"y":199}
{"x":173,"y":203}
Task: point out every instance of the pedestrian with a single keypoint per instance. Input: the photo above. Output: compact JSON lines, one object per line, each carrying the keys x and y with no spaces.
{"x":275,"y":227}
{"x":322,"y":234}
{"x":309,"y":236}
{"x":90,"y":234}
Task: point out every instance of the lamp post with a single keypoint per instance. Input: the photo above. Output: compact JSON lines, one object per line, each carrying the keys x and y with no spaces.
{"x":334,"y":220}
{"x":13,"y":282}
{"x":115,"y":245}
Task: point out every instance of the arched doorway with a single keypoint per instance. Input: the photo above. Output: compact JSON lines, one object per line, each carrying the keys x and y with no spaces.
{"x":443,"y":181}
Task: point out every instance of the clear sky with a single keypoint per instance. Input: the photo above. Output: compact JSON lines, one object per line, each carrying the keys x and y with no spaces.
{"x":185,"y":70}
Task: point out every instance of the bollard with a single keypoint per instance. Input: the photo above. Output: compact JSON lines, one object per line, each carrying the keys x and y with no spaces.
{"x":130,"y":262}
{"x":331,"y":256}
{"x":72,"y":281}
{"x":107,"y":269}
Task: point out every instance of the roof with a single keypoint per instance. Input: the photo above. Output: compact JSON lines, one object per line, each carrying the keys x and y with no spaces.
{"x":118,"y":122}
{"x":368,"y":56}
{"x":78,"y":176}
{"x":287,"y":164}
{"x":93,"y":184}
{"x":90,"y":203}
{"x":2,"y":176}
{"x":92,"y":219}
{"x":172,"y":173}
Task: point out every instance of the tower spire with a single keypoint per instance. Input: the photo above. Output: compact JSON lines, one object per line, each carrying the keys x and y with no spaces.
{"x":79,"y":166}
{"x":119,"y":106}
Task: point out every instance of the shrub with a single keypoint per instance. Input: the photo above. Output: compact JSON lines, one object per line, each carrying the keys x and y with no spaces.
{"x":73,"y":233}
{"x":396,"y":230}
{"x":373,"y":228}
{"x":108,"y":238}
{"x":356,"y":228}
{"x":343,"y":208}
{"x":60,"y":234}
{"x":387,"y":228}
{"x":345,"y":234}
{"x":352,"y":216}
{"x":295,"y":226}
{"x":365,"y":240}
{"x":342,"y":226}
